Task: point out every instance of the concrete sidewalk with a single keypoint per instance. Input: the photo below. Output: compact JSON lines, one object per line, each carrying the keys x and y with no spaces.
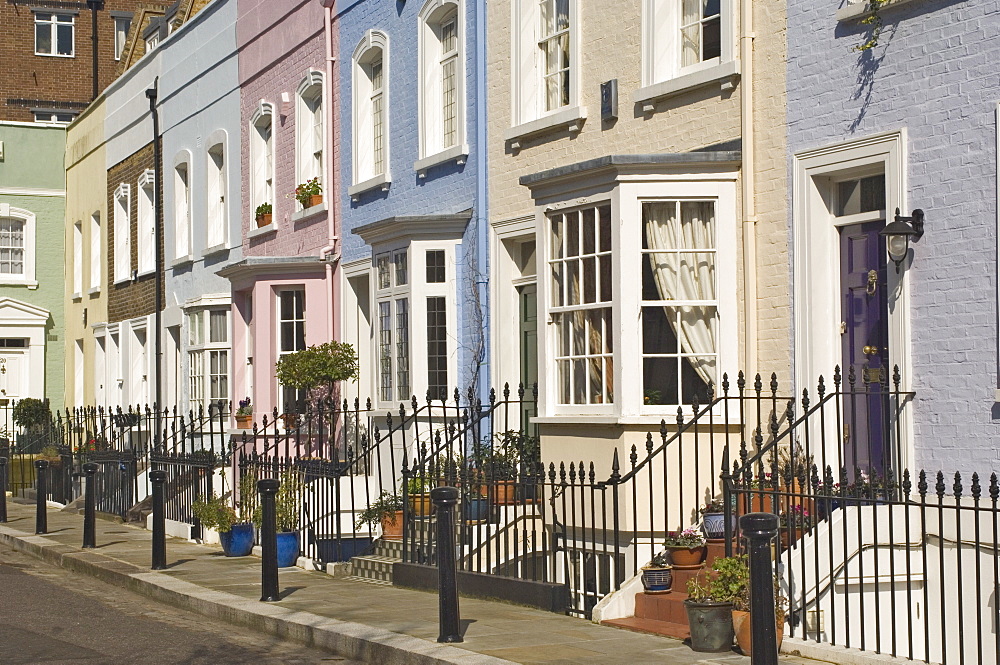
{"x":382,"y":625}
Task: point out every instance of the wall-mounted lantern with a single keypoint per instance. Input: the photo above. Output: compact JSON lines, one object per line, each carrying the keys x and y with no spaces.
{"x":898,"y":233}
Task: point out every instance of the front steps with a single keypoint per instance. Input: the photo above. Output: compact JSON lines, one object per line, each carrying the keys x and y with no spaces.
{"x":376,"y":567}
{"x":664,"y":614}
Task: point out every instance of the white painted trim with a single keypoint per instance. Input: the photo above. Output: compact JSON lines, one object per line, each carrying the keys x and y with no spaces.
{"x":725,"y":73}
{"x":28,"y":277}
{"x":31,"y":191}
{"x":568,"y":117}
{"x":456,"y":153}
{"x":996,"y":166}
{"x":505,"y":352}
{"x":360,"y":88}
{"x":816,"y":264}
{"x":382,"y":180}
{"x":429,"y":111}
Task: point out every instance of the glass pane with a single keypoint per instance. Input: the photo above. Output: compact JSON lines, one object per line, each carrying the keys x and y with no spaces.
{"x":566,"y":334}
{"x":288,"y":336}
{"x":573,"y":234}
{"x":659,"y":381}
{"x":563,"y":377}
{"x":580,"y":382}
{"x":589,"y":280}
{"x":697,"y":225}
{"x":557,"y":284}
{"x":402,"y":275}
{"x":217,"y":329}
{"x":711,"y":37}
{"x":562,"y":14}
{"x":578,"y":342}
{"x":595,"y":332}
{"x":552,"y":56}
{"x":659,"y":276}
{"x":287,"y":306}
{"x":64,"y":39}
{"x":300,"y":303}
{"x":546,"y":12}
{"x":696,"y":379}
{"x":43,"y":37}
{"x":605,"y":224}
{"x":597,"y":388}
{"x":589,"y":239}
{"x":382,"y":269}
{"x":657,"y":333}
{"x":572,"y":283}
{"x":557,"y":237}
{"x":606,"y":279}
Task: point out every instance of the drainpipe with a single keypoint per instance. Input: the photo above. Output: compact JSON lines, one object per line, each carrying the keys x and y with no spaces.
{"x":94,"y":6}
{"x":158,"y":271}
{"x":749,"y":203}
{"x":482,"y":249}
{"x":331,"y":231}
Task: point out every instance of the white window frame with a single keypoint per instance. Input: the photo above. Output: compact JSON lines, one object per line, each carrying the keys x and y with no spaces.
{"x":626,"y":204}
{"x":528,"y":114}
{"x":663,"y":75}
{"x":53,"y":23}
{"x":123,"y":237}
{"x":95,"y":253}
{"x":279,"y":294}
{"x":145,"y":226}
{"x":27,"y":278}
{"x":54,"y":117}
{"x":434,"y":148}
{"x":262,"y":152}
{"x":182,"y":206}
{"x":310,"y":129}
{"x":389,"y":293}
{"x":77,"y":260}
{"x":200,"y":352}
{"x":365,"y":176}
{"x":216,"y":196}
{"x":121,"y":34}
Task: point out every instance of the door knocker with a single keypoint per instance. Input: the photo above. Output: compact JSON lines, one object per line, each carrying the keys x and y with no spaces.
{"x":872,"y":282}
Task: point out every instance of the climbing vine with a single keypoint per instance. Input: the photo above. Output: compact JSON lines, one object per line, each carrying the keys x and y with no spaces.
{"x":873,"y":19}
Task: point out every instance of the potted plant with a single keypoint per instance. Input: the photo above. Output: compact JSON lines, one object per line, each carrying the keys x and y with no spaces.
{"x":31,"y":415}
{"x":713,"y":520}
{"x":387,"y":512}
{"x":244,"y":414}
{"x":657,"y":575}
{"x":741,"y":609}
{"x":288,"y":510}
{"x":687,"y":548}
{"x":263,"y":214}
{"x":792,"y":523}
{"x":235,"y":531}
{"x":709,"y":607}
{"x":418,"y":495}
{"x":309,"y":193}
{"x":317,"y":369}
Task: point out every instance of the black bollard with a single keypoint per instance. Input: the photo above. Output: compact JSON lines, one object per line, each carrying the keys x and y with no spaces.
{"x":41,"y":476}
{"x":90,"y":507}
{"x":3,"y":489}
{"x":444,"y":499}
{"x":268,"y":488}
{"x":158,"y":477}
{"x":760,"y":529}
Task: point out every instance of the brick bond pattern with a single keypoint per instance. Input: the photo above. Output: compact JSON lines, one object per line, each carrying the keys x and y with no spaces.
{"x":130,"y":299}
{"x":934,"y":74}
{"x":67,"y":81}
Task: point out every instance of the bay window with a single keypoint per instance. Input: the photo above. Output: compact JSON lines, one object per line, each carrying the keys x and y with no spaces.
{"x":208,"y":357}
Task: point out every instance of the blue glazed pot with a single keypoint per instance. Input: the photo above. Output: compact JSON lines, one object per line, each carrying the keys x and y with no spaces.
{"x":288,"y":548}
{"x":238,"y":541}
{"x":476,"y":509}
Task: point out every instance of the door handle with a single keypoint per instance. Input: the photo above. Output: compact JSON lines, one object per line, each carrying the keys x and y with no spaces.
{"x":869,"y":350}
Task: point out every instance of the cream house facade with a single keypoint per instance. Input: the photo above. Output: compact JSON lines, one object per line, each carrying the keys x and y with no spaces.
{"x":86,"y":264}
{"x":638,"y":224}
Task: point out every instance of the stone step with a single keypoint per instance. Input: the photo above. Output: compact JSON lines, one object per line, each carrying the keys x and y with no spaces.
{"x":373,"y":567}
{"x":389,"y":547}
{"x":661,"y":607}
{"x":367,"y":580}
{"x":652,"y":626}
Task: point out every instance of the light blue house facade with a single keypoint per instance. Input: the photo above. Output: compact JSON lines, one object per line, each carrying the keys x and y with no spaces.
{"x":909,"y":123}
{"x":199,"y":99}
{"x":412,"y":192}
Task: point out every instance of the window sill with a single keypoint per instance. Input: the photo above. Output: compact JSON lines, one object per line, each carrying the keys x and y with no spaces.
{"x":122,"y":280}
{"x":30,"y":283}
{"x":259,"y":231}
{"x":571,"y":118}
{"x":181,"y":260}
{"x":644,"y":420}
{"x":94,"y":291}
{"x":215,"y":249}
{"x":724,"y":73}
{"x":306,"y":213}
{"x":859,"y":9}
{"x":457,"y":154}
{"x":382,"y":181}
{"x":55,"y":55}
{"x":77,"y":297}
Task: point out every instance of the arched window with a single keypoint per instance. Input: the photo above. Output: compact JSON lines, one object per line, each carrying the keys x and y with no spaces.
{"x":262,"y":156}
{"x":216,"y":190}
{"x":309,"y":133}
{"x":370,"y":118}
{"x":442,"y":81}
{"x":182,"y":205}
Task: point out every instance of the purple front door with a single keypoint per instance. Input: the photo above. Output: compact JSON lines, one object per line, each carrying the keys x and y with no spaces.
{"x":865,"y":347}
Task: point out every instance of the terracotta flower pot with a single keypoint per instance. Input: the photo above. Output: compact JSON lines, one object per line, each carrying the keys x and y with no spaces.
{"x":687,"y":557}
{"x":796,"y":533}
{"x":264,"y":220}
{"x":744,"y":637}
{"x":421,"y":505}
{"x":757,"y":501}
{"x":244,"y":421}
{"x":504,"y":492}
{"x":392,"y":526}
{"x":315,"y":200}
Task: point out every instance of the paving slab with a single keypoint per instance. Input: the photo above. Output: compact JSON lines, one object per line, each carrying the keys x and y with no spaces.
{"x":368,"y":622}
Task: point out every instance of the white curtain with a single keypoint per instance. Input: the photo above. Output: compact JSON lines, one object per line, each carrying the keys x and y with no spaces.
{"x":686,"y":275}
{"x":691,"y":35}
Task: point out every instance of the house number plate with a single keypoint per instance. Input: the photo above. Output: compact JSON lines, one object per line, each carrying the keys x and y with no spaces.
{"x":873,"y":375}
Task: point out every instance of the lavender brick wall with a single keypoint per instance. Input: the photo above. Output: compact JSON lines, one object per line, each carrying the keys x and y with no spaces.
{"x":934,"y":73}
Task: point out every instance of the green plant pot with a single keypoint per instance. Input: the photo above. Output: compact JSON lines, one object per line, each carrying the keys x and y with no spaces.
{"x":711,"y":625}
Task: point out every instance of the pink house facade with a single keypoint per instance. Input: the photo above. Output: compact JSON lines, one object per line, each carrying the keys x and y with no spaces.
{"x":283,"y":289}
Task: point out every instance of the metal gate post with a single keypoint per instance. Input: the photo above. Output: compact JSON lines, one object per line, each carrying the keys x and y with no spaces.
{"x":3,"y":489}
{"x":760,"y":529}
{"x":268,"y":488}
{"x":449,"y":619}
{"x":41,"y":517}
{"x":90,"y":507}
{"x":158,"y":477}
